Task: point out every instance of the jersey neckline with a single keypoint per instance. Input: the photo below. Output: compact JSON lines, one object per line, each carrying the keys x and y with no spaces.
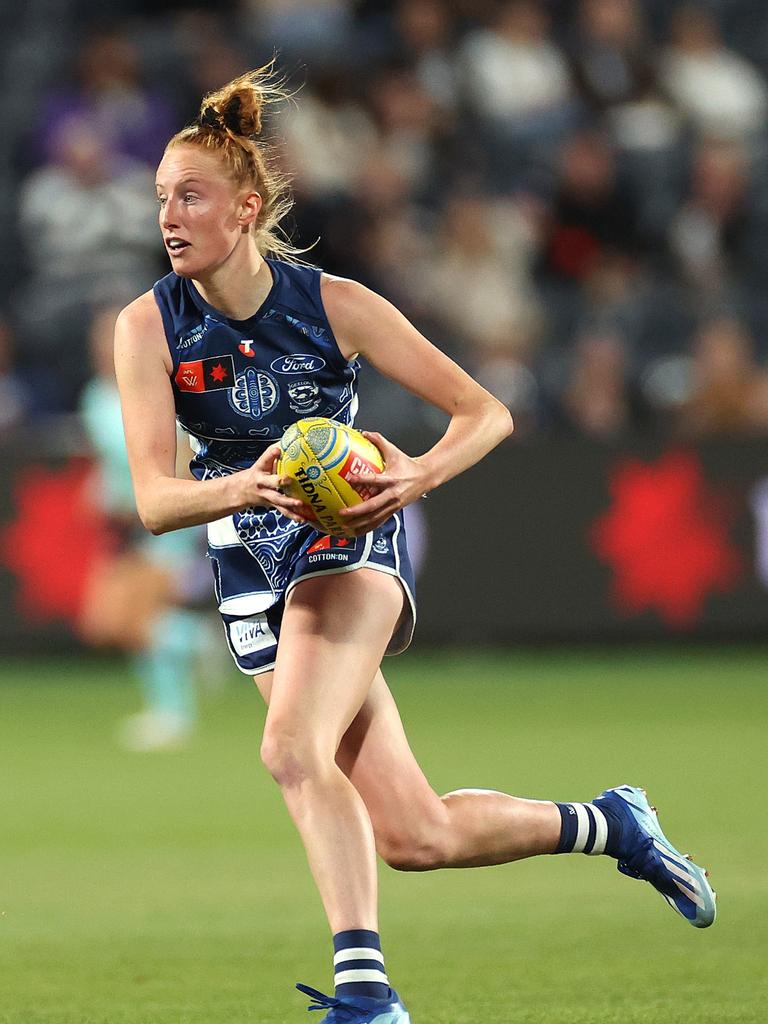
{"x":217,"y":313}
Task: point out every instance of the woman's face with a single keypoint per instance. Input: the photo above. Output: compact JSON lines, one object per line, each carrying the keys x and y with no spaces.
{"x":202,"y":212}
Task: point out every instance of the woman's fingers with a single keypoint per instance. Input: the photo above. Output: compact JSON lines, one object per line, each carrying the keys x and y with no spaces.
{"x":370,"y":506}
{"x":385,"y":447}
{"x":274,"y":496}
{"x":266,"y":461}
{"x":273,"y":482}
{"x":369,"y":514}
{"x":368,"y":481}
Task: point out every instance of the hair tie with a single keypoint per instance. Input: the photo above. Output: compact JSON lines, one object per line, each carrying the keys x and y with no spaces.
{"x":232,"y":115}
{"x":210,"y":118}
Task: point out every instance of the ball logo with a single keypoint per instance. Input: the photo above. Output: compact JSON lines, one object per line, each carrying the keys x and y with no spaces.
{"x":317,"y":507}
{"x":255,"y":393}
{"x":297,"y":363}
{"x":356,"y":465}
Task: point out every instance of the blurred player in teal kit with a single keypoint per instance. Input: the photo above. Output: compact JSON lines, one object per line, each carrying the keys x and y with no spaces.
{"x":135,"y":599}
{"x":240,"y":340}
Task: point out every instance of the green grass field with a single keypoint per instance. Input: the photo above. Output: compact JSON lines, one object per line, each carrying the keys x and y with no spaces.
{"x":171,"y":889}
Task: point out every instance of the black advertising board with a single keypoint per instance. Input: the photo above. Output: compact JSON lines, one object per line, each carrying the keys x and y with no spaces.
{"x":571,"y":540}
{"x":542,"y":541}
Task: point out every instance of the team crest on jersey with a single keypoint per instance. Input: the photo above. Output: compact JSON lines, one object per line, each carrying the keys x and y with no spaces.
{"x":246,"y":347}
{"x":304,"y":396}
{"x":255,"y":393}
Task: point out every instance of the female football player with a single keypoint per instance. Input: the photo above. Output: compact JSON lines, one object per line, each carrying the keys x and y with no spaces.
{"x":238,"y":341}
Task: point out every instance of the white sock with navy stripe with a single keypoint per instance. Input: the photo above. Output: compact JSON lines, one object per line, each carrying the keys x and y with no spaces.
{"x":587,"y":828}
{"x":358,"y":965}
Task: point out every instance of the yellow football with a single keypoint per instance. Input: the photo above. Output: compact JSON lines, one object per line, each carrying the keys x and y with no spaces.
{"x":318,"y":455}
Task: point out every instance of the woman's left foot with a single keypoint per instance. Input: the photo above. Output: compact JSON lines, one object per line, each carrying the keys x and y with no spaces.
{"x":645,"y":852}
{"x":357,"y":1009}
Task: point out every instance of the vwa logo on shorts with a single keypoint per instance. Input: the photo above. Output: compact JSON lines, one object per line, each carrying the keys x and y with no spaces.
{"x":251,"y":634}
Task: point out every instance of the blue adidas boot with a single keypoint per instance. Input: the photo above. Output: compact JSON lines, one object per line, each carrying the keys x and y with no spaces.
{"x":357,"y":1009}
{"x":644,"y":852}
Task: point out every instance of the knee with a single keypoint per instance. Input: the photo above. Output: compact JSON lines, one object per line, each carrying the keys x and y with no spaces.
{"x":290,"y":759}
{"x":419,"y":849}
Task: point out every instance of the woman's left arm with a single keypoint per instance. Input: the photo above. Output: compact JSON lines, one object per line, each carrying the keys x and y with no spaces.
{"x":365,"y":323}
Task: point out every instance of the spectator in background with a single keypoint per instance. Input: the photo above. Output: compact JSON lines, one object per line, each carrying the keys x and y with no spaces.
{"x":108,"y":94}
{"x":614,"y":70}
{"x":328,"y":136}
{"x":516,"y":81}
{"x":409,"y":125}
{"x":313,"y":31}
{"x":376,"y":160}
{"x":425,"y":38}
{"x":14,"y":396}
{"x":728,"y":391}
{"x":88,"y":222}
{"x":479,"y":284}
{"x":591,"y":213}
{"x":612,"y":63}
{"x":708,"y":229}
{"x":615,"y":297}
{"x":514,"y":74}
{"x":480,"y":281}
{"x":391,"y":245}
{"x":719,"y":90}
{"x":599,"y":399}
{"x":349,"y":234}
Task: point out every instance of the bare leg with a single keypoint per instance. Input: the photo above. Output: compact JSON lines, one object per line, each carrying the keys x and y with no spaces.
{"x":334,"y":633}
{"x":415,"y":828}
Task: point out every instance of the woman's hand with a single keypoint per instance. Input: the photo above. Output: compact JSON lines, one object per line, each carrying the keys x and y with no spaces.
{"x":404,"y":480}
{"x":262,"y":486}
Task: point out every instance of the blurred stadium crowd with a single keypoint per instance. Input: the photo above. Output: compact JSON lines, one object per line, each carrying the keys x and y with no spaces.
{"x":570,"y":197}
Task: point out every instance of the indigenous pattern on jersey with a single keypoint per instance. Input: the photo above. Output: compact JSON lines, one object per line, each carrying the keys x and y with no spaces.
{"x":237,"y":385}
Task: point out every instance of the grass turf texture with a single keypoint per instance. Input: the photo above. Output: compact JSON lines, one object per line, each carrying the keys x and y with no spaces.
{"x":171,"y":889}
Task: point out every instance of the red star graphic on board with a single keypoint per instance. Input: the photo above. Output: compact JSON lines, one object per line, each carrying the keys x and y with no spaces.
{"x":218,"y":372}
{"x":55,"y":540}
{"x":666,"y":537}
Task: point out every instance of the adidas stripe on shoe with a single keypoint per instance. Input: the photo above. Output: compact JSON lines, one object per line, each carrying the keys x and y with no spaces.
{"x":644,"y":852}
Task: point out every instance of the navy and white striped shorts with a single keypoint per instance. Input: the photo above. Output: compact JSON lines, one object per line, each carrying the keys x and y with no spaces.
{"x":259,"y":557}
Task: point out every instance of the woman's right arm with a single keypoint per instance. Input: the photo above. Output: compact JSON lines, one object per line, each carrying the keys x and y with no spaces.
{"x":143,"y":367}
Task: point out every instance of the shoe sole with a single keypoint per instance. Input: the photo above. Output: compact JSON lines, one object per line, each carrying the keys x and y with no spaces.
{"x":689,"y":878}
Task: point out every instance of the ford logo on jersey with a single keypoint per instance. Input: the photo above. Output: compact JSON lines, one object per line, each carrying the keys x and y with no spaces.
{"x":298,"y":363}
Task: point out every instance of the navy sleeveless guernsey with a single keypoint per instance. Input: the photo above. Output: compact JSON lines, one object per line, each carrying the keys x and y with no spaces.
{"x":237,"y":385}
